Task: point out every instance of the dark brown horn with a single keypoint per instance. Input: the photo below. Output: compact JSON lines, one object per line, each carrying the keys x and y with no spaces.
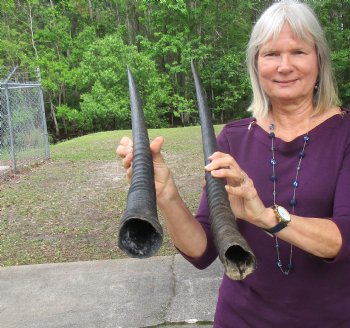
{"x":234,"y":252}
{"x":140,"y":233}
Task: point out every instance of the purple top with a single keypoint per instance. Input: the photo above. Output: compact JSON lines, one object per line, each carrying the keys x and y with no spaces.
{"x":317,"y":292}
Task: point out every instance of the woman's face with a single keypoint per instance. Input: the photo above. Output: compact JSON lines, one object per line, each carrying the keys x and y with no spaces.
{"x":288,"y":68}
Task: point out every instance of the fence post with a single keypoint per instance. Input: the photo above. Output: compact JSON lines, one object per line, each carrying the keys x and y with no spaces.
{"x":1,"y":123}
{"x":41,"y":100}
{"x":12,"y":143}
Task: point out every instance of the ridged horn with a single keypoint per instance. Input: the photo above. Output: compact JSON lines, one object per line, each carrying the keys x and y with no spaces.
{"x":140,"y":233}
{"x":234,"y":252}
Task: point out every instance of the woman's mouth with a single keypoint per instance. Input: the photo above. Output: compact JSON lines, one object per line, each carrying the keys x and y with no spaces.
{"x":285,"y":82}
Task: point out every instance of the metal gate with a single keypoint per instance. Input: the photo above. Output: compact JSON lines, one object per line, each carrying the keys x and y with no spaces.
{"x":23,"y":130}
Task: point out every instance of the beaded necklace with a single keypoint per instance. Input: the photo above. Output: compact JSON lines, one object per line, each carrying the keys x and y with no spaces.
{"x":293,"y":201}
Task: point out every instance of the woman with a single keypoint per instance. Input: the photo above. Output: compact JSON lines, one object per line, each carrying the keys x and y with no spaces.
{"x":288,"y":179}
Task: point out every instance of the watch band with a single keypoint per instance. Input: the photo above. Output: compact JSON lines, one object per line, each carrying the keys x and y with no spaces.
{"x":278,"y":227}
{"x":282,"y":217}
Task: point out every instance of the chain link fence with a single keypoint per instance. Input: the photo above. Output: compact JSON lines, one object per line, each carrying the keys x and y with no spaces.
{"x":23,"y":131}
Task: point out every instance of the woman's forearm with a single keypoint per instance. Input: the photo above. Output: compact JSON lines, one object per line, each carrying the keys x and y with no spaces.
{"x":186,"y":232}
{"x":318,"y":236}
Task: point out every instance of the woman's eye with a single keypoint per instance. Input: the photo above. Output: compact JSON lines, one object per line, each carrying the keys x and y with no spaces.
{"x":271,"y":54}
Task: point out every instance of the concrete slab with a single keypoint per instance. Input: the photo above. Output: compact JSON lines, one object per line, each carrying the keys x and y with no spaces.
{"x":195,"y":292}
{"x":161,"y":291}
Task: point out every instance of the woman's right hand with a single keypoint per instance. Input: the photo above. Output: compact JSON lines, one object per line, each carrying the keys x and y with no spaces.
{"x":164,"y":183}
{"x":186,"y":232}
{"x":125,"y":151}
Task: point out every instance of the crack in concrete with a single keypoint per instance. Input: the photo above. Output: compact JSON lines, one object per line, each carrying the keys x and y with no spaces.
{"x":173,"y":283}
{"x":164,"y":323}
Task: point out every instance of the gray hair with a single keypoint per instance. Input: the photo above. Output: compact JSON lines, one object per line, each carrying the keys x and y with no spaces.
{"x":305,"y":25}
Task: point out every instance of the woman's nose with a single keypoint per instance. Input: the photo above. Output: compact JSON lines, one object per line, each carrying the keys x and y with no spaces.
{"x":285,"y":64}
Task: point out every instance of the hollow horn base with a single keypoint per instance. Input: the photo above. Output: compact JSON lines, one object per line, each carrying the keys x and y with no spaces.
{"x":238,"y":262}
{"x":139,"y":238}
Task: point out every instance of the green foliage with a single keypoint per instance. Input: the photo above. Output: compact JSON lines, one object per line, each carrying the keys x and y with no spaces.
{"x":335,"y":17}
{"x":70,"y":119}
{"x":102,"y":74}
{"x":84,"y":47}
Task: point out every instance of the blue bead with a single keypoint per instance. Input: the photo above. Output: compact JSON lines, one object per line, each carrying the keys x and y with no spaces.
{"x":272,"y":126}
{"x":290,"y":266}
{"x":293,"y":202}
{"x":279,"y":263}
{"x":274,"y":178}
{"x":296,"y":184}
{"x":273,"y":161}
{"x":301,"y":154}
{"x":306,"y":138}
{"x":272,"y":135}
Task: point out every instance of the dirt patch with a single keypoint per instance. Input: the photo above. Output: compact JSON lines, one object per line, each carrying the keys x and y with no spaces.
{"x":65,"y":211}
{"x":61,"y":211}
{"x":69,"y":208}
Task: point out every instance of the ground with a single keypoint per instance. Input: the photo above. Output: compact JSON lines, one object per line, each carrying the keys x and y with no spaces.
{"x":65,"y":210}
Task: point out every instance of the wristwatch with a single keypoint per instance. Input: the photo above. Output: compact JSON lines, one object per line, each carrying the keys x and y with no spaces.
{"x":283,"y":218}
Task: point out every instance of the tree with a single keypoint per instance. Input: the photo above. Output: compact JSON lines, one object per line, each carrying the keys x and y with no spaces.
{"x":104,"y":92}
{"x":83,"y":47}
{"x":335,"y":16}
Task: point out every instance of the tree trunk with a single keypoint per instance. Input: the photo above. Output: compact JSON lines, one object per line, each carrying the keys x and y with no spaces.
{"x":91,"y":14}
{"x":31,"y":30}
{"x":53,"y":109}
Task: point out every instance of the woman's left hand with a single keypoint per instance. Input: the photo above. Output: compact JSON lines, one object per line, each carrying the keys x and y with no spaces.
{"x":244,"y":199}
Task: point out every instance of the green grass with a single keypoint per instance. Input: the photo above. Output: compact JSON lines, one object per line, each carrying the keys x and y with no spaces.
{"x":68,"y":209}
{"x":102,"y":145}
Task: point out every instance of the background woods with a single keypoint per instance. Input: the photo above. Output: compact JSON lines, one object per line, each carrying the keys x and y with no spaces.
{"x":83,"y":47}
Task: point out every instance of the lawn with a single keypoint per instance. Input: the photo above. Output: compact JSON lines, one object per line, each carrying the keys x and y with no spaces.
{"x":68,"y":208}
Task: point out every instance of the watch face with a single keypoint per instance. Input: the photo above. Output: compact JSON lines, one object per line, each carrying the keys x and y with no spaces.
{"x":283,"y":213}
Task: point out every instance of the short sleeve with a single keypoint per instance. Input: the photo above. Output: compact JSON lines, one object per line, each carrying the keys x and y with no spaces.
{"x":341,"y":209}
